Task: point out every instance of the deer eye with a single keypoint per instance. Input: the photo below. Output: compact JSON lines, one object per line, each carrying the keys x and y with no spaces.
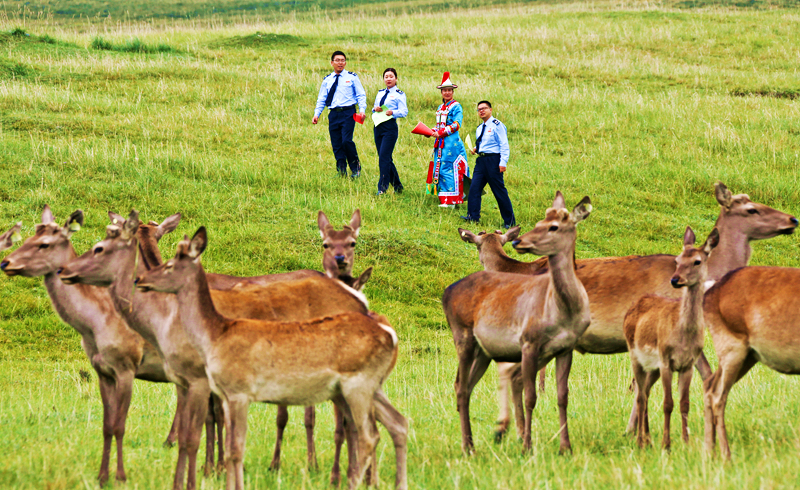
{"x":752,"y":211}
{"x":353,"y":245}
{"x":697,"y":262}
{"x":554,"y":228}
{"x":43,"y":246}
{"x":325,"y":245}
{"x":97,"y":250}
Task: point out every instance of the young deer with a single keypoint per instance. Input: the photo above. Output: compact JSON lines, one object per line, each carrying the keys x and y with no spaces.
{"x":513,"y":317}
{"x":509,"y":374}
{"x":666,"y":335}
{"x":345,"y":358}
{"x":116,"y":353}
{"x":752,"y":314}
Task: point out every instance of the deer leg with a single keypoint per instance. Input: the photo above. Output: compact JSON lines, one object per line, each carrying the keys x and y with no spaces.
{"x":358,"y":417}
{"x":180,"y":468}
{"x":633,"y":420}
{"x":516,"y":396}
{"x":641,"y":400}
{"x":236,"y":413}
{"x":684,"y":383}
{"x":310,"y":421}
{"x":372,"y":478}
{"x":122,"y":395}
{"x":503,"y":384}
{"x":192,"y":419}
{"x":472,"y":364}
{"x":208,"y":467}
{"x":219,"y":418}
{"x":176,"y":421}
{"x":530,"y":366}
{"x":703,"y":367}
{"x":731,"y":372}
{"x":106,"y":393}
{"x":666,"y":380}
{"x":280,"y":422}
{"x":563,"y":367}
{"x":649,"y":380}
{"x":709,"y":433}
{"x":397,"y":425}
{"x":542,"y":374}
{"x":338,"y":440}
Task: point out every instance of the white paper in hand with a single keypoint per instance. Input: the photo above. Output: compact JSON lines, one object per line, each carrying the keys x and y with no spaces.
{"x":380,"y":117}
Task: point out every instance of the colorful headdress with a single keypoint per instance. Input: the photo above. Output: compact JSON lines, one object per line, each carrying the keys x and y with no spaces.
{"x":446,"y":82}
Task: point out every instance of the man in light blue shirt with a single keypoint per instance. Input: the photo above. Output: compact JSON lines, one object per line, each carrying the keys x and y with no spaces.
{"x":340,"y":92}
{"x":491,"y":146}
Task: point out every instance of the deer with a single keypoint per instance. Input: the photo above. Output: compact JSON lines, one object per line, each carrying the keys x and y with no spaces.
{"x":522,"y":318}
{"x":338,"y":243}
{"x":614,"y":284}
{"x":113,"y":262}
{"x":345,"y":358}
{"x":751,"y":314}
{"x":666,"y":335}
{"x":117,"y":353}
{"x":494,"y":259}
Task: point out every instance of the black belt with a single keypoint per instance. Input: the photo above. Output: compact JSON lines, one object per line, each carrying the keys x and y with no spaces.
{"x":340,"y":109}
{"x":488,"y":154}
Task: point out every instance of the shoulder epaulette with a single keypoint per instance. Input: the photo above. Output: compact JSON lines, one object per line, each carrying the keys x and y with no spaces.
{"x":399,"y":91}
{"x":350,"y":72}
{"x":497,"y":122}
{"x":326,"y":76}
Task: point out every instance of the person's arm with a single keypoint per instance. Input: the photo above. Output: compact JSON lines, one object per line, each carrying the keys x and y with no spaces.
{"x":505,"y":151}
{"x":402,"y":107}
{"x":376,"y":107}
{"x":361,"y":96}
{"x":323,"y":94}
{"x":455,"y":116}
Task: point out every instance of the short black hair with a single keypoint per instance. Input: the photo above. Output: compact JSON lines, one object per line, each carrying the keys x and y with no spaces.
{"x":485,"y":102}
{"x":337,"y":53}
{"x":390,"y":70}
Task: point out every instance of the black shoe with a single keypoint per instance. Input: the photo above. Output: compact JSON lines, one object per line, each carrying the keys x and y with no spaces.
{"x":509,"y":226}
{"x":343,"y":175}
{"x":469,"y":219}
{"x":355,"y":176}
{"x":398,"y":191}
{"x":380,"y":193}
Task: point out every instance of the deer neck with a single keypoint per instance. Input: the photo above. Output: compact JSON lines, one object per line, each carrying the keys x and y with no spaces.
{"x":494,"y":258}
{"x":198,"y":315}
{"x":123,"y":288}
{"x":732,"y":252}
{"x":566,"y":289}
{"x":65,"y":297}
{"x":691,"y":310}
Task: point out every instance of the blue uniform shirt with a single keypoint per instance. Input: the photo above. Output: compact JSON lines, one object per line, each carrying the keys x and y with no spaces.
{"x":395,"y":101}
{"x":495,"y":139}
{"x":348,"y":92}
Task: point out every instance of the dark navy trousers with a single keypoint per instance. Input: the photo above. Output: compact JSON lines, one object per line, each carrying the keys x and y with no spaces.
{"x":385,"y":139}
{"x":487,"y":170}
{"x":340,"y":126}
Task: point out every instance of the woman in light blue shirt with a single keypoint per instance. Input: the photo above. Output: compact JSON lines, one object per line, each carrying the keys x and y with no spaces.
{"x":394,"y":100}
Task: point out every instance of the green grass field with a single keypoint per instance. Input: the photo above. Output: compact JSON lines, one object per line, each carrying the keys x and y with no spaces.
{"x":640,"y":106}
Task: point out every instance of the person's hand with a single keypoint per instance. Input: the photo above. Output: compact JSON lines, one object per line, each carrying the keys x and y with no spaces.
{"x":362,"y":115}
{"x":502,"y":169}
{"x":472,"y":150}
{"x":315,"y":120}
{"x":389,"y":112}
{"x":377,"y":109}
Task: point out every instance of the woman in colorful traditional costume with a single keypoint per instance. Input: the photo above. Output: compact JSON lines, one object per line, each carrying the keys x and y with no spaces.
{"x":448,"y":168}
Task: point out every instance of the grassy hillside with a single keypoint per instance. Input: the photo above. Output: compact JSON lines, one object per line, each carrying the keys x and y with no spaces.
{"x":641,"y":108}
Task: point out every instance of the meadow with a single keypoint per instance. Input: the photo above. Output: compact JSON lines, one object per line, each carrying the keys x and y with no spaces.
{"x":641,"y":106}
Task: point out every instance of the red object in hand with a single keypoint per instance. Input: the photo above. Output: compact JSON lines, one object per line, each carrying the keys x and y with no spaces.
{"x":423,"y":130}
{"x":359,"y":118}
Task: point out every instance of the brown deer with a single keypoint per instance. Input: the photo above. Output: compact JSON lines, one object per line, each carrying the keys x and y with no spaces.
{"x":344,"y":358}
{"x":666,"y":335}
{"x":509,"y":375}
{"x":116,"y":353}
{"x":752,"y":316}
{"x":517,"y":317}
{"x":113,"y":263}
{"x":340,"y":244}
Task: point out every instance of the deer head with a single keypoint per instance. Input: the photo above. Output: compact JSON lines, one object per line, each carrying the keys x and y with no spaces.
{"x":332,"y":271}
{"x":692,"y":263}
{"x":340,"y":244}
{"x":754,"y":220}
{"x":47,"y":250}
{"x":556,"y":232}
{"x":171,"y":276}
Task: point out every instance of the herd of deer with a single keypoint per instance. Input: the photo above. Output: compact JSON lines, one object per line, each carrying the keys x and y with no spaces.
{"x":304,"y":337}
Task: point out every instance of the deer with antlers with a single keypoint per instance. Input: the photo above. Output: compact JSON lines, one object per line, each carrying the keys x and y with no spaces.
{"x":345,"y":358}
{"x":666,"y":335}
{"x":516,"y":317}
{"x":117,"y":353}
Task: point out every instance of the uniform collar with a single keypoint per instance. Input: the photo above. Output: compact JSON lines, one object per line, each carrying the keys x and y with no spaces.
{"x":390,"y":89}
{"x":488,"y":120}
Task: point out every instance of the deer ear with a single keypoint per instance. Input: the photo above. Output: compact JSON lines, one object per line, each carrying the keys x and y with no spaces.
{"x":468,"y":236}
{"x":131,"y":225}
{"x":723,"y":195}
{"x":330,"y":266}
{"x":47,"y":215}
{"x":168,"y":225}
{"x":688,"y":237}
{"x":582,"y":210}
{"x":322,"y":223}
{"x":359,"y":283}
{"x":12,"y":236}
{"x":559,"y":202}
{"x":116,"y":219}
{"x":712,"y":241}
{"x":198,"y":244}
{"x":355,"y":221}
{"x":74,"y":223}
{"x":511,"y":234}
